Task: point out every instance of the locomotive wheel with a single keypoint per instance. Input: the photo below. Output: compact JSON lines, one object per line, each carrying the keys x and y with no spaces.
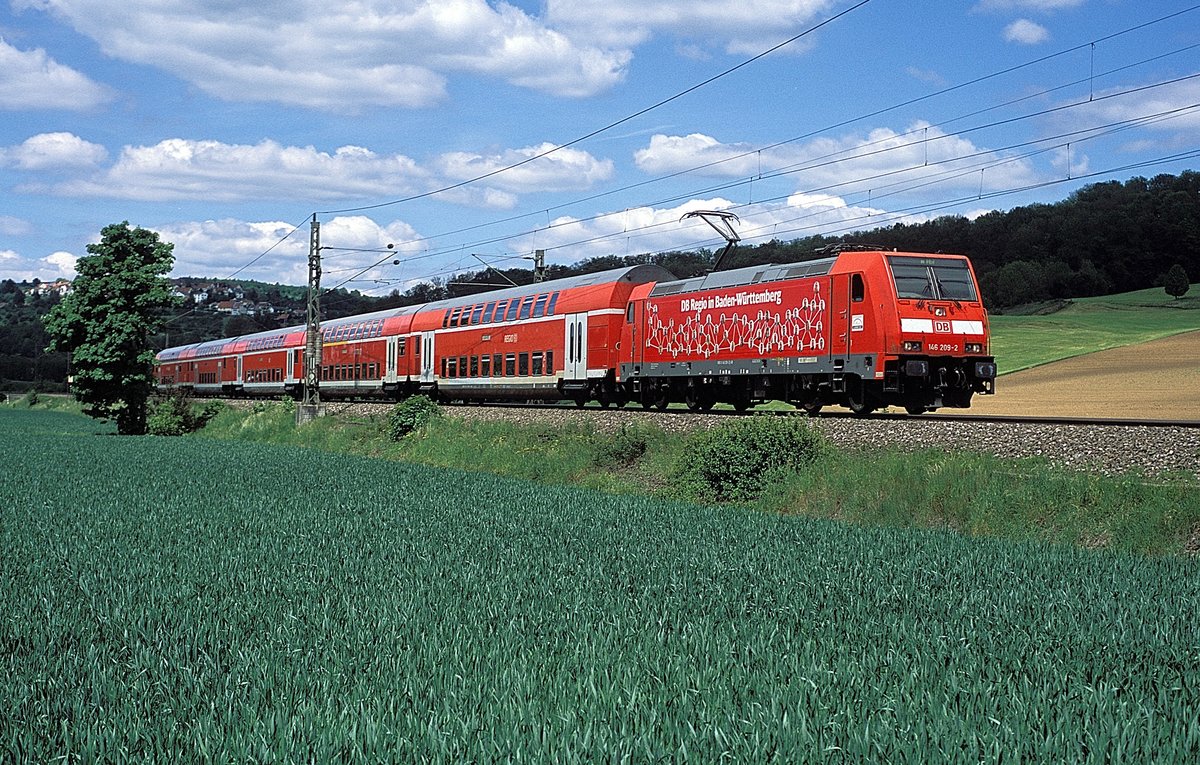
{"x":858,"y":400}
{"x":811,"y":407}
{"x":914,"y":408}
{"x":662,"y":401}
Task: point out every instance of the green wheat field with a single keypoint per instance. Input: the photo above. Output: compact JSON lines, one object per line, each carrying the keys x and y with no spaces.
{"x":180,"y":600}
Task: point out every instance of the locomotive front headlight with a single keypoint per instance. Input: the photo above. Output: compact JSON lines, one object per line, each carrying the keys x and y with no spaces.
{"x":912,"y":345}
{"x":985,"y":370}
{"x":974,"y":347}
{"x":916,"y":368}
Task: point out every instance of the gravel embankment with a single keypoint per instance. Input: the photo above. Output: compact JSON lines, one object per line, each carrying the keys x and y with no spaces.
{"x":1108,"y":449}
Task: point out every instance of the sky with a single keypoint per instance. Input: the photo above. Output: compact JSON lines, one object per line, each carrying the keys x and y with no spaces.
{"x":473,"y":132}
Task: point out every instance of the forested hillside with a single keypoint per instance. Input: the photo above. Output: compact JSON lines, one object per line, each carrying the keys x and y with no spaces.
{"x":1105,"y":238}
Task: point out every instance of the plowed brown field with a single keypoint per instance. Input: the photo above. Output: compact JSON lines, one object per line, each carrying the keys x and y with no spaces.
{"x":1155,"y":380}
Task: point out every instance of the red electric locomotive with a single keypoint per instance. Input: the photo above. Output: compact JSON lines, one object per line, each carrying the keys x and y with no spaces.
{"x":864,"y":329}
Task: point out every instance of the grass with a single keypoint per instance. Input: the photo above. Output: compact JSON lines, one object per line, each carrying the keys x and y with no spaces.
{"x":976,"y":495}
{"x":194,"y":599}
{"x":1094,"y":324}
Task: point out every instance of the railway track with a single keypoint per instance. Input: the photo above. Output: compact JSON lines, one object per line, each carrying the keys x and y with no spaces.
{"x":965,"y":416}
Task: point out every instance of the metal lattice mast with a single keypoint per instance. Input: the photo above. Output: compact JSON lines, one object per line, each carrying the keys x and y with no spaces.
{"x":312,"y":334}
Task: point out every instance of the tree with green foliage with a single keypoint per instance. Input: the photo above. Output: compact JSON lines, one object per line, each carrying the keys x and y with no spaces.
{"x":1176,"y":282}
{"x":106,"y":321}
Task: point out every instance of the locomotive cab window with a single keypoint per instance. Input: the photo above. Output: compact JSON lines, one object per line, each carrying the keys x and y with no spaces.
{"x":932,"y":278}
{"x":857,"y":290}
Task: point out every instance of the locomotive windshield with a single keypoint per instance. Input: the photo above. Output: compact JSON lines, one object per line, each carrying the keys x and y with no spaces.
{"x":932,"y":278}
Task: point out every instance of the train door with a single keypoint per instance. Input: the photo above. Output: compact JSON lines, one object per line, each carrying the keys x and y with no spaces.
{"x":858,"y":342}
{"x":389,"y":372}
{"x":291,"y":367}
{"x":839,"y":317}
{"x":575,"y":340}
{"x":238,"y":379}
{"x":428,"y":370}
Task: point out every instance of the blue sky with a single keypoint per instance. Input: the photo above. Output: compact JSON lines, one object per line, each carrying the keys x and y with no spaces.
{"x":226,"y":125}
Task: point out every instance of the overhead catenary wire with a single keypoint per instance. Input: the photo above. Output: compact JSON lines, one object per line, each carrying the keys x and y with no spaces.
{"x":610,"y":125}
{"x":958,"y":86}
{"x":833,"y":158}
{"x":884,"y":110}
{"x":858,"y":148}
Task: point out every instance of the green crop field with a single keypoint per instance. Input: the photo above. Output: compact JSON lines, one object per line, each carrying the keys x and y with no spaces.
{"x":179,"y":600}
{"x":1092,"y":324}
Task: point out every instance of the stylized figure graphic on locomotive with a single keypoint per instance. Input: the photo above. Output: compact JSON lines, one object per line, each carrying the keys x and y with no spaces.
{"x":864,"y":329}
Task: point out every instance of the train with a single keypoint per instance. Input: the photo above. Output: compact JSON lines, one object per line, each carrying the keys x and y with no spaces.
{"x":864,"y":329}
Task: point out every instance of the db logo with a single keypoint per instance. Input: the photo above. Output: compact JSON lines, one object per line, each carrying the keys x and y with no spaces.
{"x":941,"y":326}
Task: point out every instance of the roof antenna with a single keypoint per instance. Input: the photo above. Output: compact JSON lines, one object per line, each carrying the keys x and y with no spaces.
{"x":720,"y":221}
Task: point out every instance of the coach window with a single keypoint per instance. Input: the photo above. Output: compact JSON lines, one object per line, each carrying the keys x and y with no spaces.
{"x":500,"y":308}
{"x":551,"y":304}
{"x":488,"y":310}
{"x":537,"y":362}
{"x":477,"y":313}
{"x":857,"y":291}
{"x":498,"y":364}
{"x":549,"y":362}
{"x":523,"y":369}
{"x":443,"y":366}
{"x":539,"y":308}
{"x":474,"y":366}
{"x":400,"y":346}
{"x":510,"y":364}
{"x":485,"y":366}
{"x":446,"y":319}
{"x":526,"y":304}
{"x":513,"y":305}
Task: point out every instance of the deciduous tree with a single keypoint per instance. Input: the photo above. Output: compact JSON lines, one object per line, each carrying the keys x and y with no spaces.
{"x":105,"y":323}
{"x":1176,"y":281}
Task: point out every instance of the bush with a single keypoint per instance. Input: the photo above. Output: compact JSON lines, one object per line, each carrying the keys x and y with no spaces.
{"x":410,"y":415}
{"x":175,"y":416}
{"x":736,"y":461}
{"x":622,"y":448}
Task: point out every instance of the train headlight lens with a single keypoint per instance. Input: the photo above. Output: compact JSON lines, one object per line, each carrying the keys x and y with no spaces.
{"x":912,"y":345}
{"x":985,"y":370}
{"x":916,"y":368}
{"x":974,"y":348}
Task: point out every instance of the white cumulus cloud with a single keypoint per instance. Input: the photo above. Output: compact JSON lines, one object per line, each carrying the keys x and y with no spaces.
{"x":30,"y":79}
{"x":63,"y":263}
{"x":341,"y":56}
{"x":218,"y":248}
{"x":186,"y":169}
{"x":1026,"y":32}
{"x":178,"y":168}
{"x":562,"y":170}
{"x":53,"y":151}
{"x":880,"y":159}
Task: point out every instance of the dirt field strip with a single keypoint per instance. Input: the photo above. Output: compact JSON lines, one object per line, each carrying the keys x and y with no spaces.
{"x":1155,"y":380}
